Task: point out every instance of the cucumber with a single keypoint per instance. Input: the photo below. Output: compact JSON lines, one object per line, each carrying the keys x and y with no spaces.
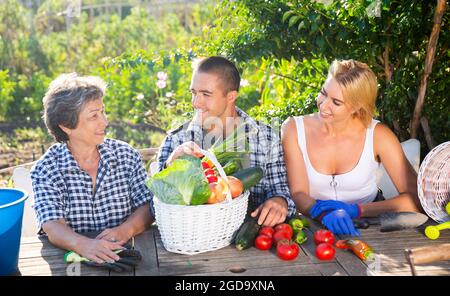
{"x":246,"y":235}
{"x":250,"y":176}
{"x":230,"y":168}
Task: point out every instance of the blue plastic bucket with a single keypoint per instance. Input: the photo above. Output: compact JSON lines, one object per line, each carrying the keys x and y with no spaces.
{"x":11,"y":213}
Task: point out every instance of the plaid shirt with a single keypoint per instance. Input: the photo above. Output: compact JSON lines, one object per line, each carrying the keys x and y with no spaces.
{"x":63,"y":191}
{"x":265,"y":152}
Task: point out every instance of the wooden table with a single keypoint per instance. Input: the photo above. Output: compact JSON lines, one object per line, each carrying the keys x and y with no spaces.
{"x":39,"y":257}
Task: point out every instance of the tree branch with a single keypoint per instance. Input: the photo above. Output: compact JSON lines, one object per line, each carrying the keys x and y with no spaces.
{"x":387,"y":65}
{"x":431,"y":51}
{"x":426,"y":129}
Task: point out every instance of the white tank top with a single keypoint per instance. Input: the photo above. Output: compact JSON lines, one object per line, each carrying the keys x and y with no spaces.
{"x":357,"y":186}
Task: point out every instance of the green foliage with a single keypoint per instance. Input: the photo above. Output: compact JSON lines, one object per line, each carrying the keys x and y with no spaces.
{"x":282,"y":48}
{"x":6,"y":88}
{"x":35,"y":48}
{"x":28,"y":94}
{"x":14,"y":54}
{"x":302,"y":30}
{"x":134,"y":79}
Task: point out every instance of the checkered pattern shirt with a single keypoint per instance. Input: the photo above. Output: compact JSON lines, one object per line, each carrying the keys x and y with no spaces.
{"x":63,"y":191}
{"x":265,"y":152}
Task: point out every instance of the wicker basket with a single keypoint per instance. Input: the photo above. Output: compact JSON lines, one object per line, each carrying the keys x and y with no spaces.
{"x":433,"y":182}
{"x":196,"y":229}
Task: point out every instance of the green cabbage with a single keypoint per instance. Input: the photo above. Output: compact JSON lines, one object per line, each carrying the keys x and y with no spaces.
{"x":182,"y":183}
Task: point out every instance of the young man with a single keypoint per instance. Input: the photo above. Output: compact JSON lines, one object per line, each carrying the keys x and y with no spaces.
{"x":214,"y":87}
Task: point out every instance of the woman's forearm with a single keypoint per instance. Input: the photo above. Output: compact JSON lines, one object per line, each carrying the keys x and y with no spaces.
{"x":62,"y":236}
{"x":139,"y":221}
{"x":303,"y":202}
{"x":401,"y":203}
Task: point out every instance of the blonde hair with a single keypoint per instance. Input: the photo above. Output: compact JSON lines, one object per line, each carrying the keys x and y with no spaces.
{"x":359,"y":87}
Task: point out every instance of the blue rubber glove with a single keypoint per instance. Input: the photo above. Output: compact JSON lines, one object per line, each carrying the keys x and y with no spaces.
{"x":321,"y":206}
{"x":340,"y":223}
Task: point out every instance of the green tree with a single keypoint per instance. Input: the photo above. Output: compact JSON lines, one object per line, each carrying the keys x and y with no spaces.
{"x":6,"y":90}
{"x":389,"y":35}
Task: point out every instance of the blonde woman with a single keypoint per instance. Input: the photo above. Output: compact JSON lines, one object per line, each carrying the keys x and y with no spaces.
{"x":332,"y":156}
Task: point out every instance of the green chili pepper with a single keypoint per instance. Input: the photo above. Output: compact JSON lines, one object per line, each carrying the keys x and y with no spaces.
{"x":300,"y":237}
{"x":296,"y":224}
{"x":305,"y":222}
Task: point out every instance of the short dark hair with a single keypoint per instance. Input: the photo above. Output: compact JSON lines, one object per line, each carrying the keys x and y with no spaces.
{"x":65,"y":98}
{"x":224,"y":68}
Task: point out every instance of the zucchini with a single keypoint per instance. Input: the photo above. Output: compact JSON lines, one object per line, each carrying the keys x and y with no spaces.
{"x":249,"y":177}
{"x":246,"y":235}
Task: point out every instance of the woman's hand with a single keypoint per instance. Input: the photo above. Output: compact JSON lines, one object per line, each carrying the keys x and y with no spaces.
{"x":272,"y":212}
{"x":321,"y":206}
{"x":189,"y":148}
{"x":99,"y":250}
{"x":340,"y":223}
{"x":119,"y":234}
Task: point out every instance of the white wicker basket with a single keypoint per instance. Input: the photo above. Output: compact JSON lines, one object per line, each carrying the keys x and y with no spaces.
{"x":433,"y":182}
{"x":196,"y":229}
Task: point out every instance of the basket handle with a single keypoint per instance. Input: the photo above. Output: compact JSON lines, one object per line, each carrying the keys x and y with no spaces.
{"x":219,"y":167}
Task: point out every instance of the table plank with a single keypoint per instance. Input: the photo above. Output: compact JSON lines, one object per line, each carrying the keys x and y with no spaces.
{"x":39,"y":257}
{"x":294,"y":270}
{"x":124,"y":273}
{"x":229,"y":261}
{"x":390,"y":251}
{"x":224,"y":253}
{"x":145,"y":243}
{"x":331,"y":269}
{"x":55,"y":266}
{"x":216,"y":261}
{"x":349,"y":262}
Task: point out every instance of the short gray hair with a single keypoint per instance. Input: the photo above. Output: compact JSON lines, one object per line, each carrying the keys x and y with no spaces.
{"x":65,"y":98}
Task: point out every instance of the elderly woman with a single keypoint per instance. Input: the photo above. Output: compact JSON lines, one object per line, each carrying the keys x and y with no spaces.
{"x":85,"y":182}
{"x":332,"y":156}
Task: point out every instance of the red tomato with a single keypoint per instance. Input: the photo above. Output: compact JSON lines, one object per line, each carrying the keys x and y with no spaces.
{"x":263,"y":242}
{"x":267,"y":230}
{"x":212,"y":179}
{"x":287,"y":250}
{"x":205,"y":165}
{"x":323,"y":236}
{"x":209,"y":172}
{"x":285,"y":227}
{"x":325,"y":251}
{"x":280,"y":235}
